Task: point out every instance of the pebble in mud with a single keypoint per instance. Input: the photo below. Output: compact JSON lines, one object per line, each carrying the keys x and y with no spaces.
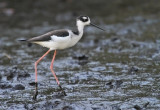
{"x":137,"y":107}
{"x":133,"y":70}
{"x":14,"y":72}
{"x":32,"y":83}
{"x":116,"y":107}
{"x":5,"y":86}
{"x":82,"y":59}
{"x":11,"y":72}
{"x":114,"y":39}
{"x":23,"y":75}
{"x":135,"y":45}
{"x":67,"y":108}
{"x":114,"y":84}
{"x":19,"y":87}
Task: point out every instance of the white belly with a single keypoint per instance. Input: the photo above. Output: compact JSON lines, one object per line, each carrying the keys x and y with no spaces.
{"x":60,"y":42}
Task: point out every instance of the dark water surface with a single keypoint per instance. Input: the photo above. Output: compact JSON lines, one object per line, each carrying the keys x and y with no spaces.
{"x":116,"y":70}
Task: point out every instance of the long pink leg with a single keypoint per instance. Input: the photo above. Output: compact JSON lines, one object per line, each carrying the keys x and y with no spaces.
{"x":36,"y":88}
{"x":38,"y":62}
{"x":51,"y":67}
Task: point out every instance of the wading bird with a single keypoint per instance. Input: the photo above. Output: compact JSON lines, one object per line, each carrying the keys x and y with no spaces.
{"x":59,"y":39}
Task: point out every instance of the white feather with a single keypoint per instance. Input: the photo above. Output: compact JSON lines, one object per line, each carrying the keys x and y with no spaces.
{"x":61,"y":42}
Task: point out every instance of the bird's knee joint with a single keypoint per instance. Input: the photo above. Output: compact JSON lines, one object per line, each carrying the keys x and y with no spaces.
{"x":35,"y":63}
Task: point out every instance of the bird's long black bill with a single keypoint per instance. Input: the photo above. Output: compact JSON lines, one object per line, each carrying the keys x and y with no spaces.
{"x":97,"y":26}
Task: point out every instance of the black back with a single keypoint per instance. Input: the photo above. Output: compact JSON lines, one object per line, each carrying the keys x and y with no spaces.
{"x":47,"y":36}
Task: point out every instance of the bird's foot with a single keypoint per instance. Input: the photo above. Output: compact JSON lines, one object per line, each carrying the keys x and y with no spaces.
{"x":64,"y":93}
{"x":35,"y":95}
{"x":36,"y":91}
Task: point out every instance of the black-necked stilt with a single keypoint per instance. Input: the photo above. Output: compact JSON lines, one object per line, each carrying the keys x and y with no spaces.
{"x":59,"y":39}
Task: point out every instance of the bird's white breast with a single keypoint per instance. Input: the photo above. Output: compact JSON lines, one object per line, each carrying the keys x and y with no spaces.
{"x":57,"y":42}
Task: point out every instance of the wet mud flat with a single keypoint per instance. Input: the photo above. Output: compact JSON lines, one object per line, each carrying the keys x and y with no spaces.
{"x":116,"y":70}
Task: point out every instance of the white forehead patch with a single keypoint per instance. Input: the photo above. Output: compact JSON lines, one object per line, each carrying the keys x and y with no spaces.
{"x":84,"y":17}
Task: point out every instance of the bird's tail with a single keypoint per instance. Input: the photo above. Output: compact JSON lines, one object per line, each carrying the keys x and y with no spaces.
{"x":24,"y":40}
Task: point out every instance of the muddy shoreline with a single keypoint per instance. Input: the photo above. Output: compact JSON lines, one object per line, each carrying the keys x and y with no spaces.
{"x":116,"y":70}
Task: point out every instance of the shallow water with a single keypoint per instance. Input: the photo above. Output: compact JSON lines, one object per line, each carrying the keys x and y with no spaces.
{"x":116,"y":70}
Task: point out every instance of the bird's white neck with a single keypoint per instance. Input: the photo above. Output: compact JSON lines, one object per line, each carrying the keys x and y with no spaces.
{"x":80,"y":27}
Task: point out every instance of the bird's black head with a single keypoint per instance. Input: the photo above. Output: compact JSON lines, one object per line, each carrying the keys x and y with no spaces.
{"x":83,"y":18}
